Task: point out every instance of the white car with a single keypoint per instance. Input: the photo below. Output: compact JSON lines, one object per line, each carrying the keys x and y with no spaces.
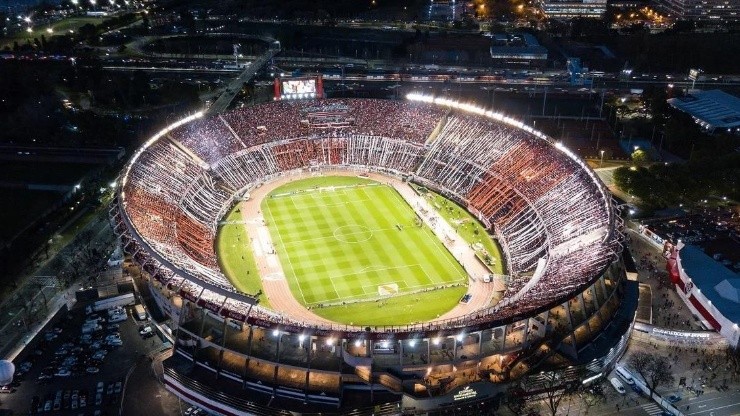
{"x":63,"y":372}
{"x":617,"y":385}
{"x":101,"y":387}
{"x":145,"y":330}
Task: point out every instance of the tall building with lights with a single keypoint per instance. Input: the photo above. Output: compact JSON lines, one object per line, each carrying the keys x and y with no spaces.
{"x":568,"y":9}
{"x":711,"y":11}
{"x":443,"y":10}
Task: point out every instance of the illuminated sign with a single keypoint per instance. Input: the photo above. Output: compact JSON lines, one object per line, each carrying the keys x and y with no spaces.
{"x":681,"y":334}
{"x":299,"y":88}
{"x":464,"y":394}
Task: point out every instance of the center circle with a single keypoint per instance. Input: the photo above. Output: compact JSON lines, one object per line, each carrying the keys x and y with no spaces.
{"x":353,"y":233}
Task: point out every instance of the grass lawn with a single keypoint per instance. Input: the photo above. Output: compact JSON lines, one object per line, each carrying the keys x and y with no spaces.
{"x":353,"y":250}
{"x":469,"y":228}
{"x":236,"y":257}
{"x":61,"y":27}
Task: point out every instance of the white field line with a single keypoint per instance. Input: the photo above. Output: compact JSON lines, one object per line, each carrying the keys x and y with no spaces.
{"x":308,"y":240}
{"x":374,"y":289}
{"x":434,"y":236}
{"x":290,"y":263}
{"x":333,"y":204}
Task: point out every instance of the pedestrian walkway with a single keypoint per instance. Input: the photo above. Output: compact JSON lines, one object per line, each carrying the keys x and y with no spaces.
{"x":65,"y":298}
{"x":652,"y":409}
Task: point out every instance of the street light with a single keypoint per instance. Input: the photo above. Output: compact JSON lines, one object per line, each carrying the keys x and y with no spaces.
{"x":602,"y":158}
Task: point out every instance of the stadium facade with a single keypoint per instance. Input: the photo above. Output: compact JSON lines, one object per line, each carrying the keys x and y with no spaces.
{"x":570,"y":9}
{"x":714,"y":12}
{"x":563,"y":305}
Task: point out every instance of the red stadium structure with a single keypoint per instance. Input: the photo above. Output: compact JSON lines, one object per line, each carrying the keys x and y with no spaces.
{"x":554,"y":219}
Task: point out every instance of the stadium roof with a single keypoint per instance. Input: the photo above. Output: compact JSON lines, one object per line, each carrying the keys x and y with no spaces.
{"x":718,"y":283}
{"x":526,"y":48}
{"x":712,"y":109}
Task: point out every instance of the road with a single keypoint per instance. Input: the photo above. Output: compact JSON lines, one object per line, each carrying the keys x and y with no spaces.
{"x":712,"y":404}
{"x":223,"y":101}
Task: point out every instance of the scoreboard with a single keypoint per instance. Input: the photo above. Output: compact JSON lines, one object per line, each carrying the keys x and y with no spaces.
{"x":299,"y":88}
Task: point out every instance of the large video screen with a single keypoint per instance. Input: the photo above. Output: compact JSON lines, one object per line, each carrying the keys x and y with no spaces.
{"x":299,"y":88}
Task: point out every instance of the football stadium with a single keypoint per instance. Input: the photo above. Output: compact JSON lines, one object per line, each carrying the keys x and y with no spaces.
{"x":364,"y":256}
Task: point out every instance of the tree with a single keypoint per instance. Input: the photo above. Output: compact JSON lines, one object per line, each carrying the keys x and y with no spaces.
{"x":556,"y":391}
{"x":732,"y":356}
{"x":515,"y":400}
{"x":654,"y":369}
{"x":640,"y":157}
{"x":591,"y":395}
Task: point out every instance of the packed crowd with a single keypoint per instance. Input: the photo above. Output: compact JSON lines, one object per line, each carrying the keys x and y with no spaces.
{"x":211,"y":138}
{"x":542,"y":204}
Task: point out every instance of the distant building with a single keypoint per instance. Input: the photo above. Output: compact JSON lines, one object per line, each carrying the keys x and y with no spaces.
{"x":568,"y":9}
{"x":441,"y":10}
{"x":713,"y":110}
{"x":629,"y":4}
{"x":711,"y":11}
{"x":517,"y":49}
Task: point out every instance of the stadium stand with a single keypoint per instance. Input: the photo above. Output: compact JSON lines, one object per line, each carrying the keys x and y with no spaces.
{"x":543,"y":206}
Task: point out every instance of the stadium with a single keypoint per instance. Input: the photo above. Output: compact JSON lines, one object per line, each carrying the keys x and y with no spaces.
{"x":305,"y":254}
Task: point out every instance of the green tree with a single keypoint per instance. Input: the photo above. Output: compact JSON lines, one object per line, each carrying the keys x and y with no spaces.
{"x":640,"y":157}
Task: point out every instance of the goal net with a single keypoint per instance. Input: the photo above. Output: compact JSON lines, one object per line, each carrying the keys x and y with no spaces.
{"x":388,"y":289}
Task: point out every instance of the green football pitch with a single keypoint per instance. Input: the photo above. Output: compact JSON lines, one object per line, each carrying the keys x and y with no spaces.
{"x":354,"y":251}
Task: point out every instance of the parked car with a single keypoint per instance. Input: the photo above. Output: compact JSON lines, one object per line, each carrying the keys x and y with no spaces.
{"x":115,"y":342}
{"x":146,"y":329}
{"x":63,"y":372}
{"x":617,"y":385}
{"x":92,"y":370}
{"x":118,"y":387}
{"x":100,"y":387}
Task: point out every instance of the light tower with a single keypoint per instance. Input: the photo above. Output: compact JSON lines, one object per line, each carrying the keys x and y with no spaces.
{"x":236,"y":53}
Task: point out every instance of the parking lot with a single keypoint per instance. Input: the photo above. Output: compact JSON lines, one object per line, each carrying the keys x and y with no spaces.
{"x":68,"y":370}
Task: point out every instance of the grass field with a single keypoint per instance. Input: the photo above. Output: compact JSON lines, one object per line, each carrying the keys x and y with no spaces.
{"x":356,"y":245}
{"x":236,"y":257}
{"x":469,"y":228}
